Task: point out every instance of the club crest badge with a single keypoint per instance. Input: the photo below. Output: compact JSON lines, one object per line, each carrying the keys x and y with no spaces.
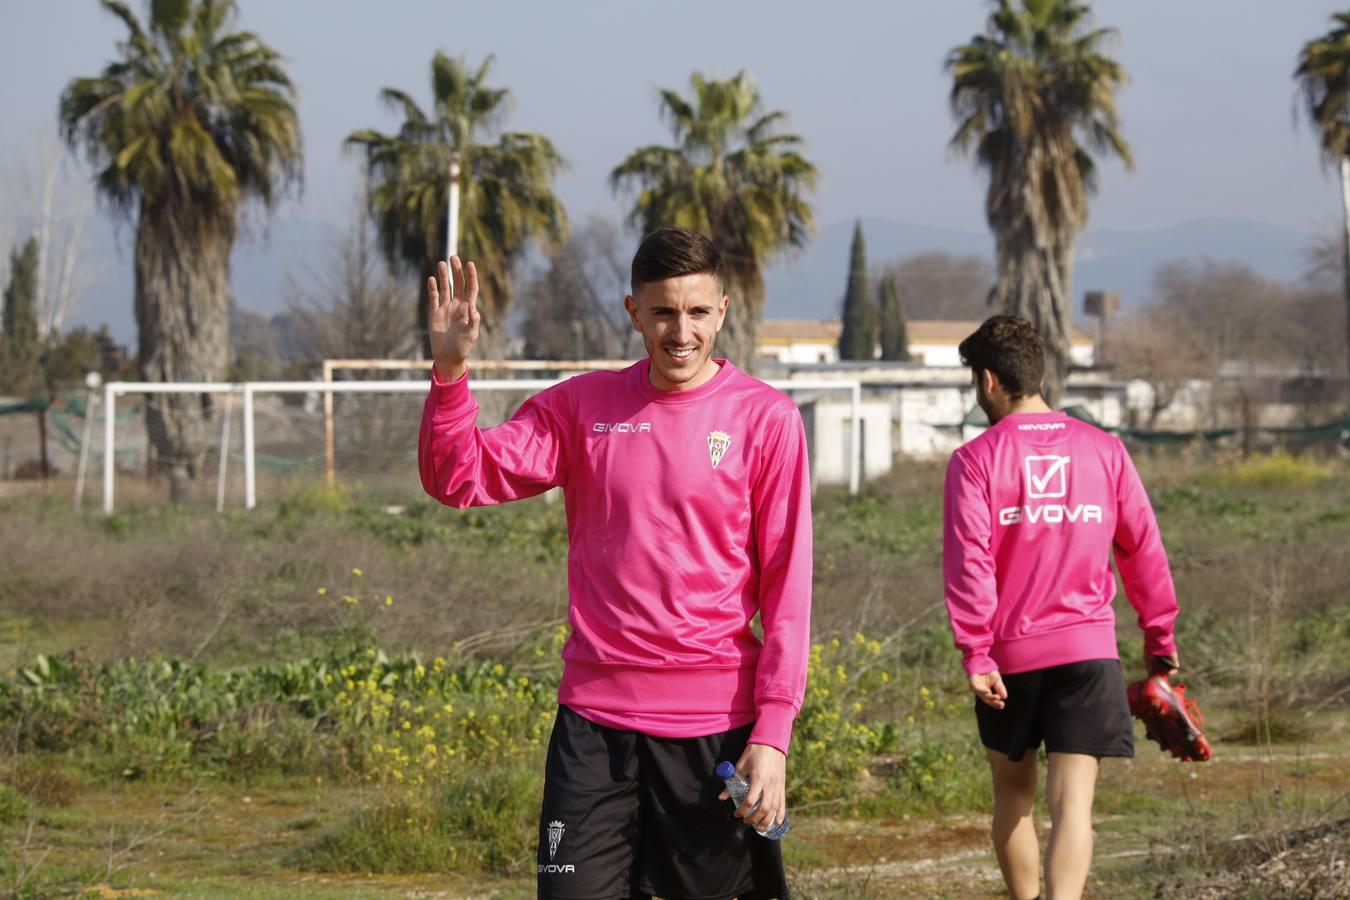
{"x":718,"y":442}
{"x":555,"y":834}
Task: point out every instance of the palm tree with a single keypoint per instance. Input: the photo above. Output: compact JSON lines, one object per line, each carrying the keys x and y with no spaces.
{"x":506,"y":198}
{"x":1034,"y":97}
{"x":1323,"y":75}
{"x":733,"y":176}
{"x":192,"y":121}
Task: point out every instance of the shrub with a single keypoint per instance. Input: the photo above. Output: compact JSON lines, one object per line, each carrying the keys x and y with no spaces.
{"x":13,"y":806}
{"x":1278,"y":470}
{"x":477,"y":820}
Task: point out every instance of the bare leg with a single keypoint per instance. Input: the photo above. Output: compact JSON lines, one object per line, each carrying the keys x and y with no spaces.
{"x":1069,"y":788}
{"x":1014,"y":832}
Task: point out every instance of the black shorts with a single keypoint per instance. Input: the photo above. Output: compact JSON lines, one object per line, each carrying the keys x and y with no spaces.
{"x":1075,"y":708}
{"x":626,"y":815}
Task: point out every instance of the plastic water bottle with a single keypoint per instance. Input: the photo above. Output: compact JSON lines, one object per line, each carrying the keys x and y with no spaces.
{"x":739,"y":788}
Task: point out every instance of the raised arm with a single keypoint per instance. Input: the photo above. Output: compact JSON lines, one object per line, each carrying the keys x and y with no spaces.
{"x":461,"y":464}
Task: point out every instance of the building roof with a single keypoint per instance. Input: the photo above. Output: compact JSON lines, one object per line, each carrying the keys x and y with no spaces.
{"x":921,"y":331}
{"x":787,"y":330}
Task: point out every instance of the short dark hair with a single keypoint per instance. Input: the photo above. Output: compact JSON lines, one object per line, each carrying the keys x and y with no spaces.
{"x":671,"y":252}
{"x":1012,"y":349}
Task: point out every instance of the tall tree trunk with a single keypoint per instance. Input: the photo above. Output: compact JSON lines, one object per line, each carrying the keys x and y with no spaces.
{"x":183,"y":331}
{"x":423,"y":307}
{"x":1345,"y":201}
{"x":1031,"y":285}
{"x":740,"y":331}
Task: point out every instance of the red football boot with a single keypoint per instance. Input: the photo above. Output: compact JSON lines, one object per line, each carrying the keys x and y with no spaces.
{"x":1169,"y":717}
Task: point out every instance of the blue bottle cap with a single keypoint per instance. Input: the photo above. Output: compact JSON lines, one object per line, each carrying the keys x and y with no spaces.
{"x":725,"y":770}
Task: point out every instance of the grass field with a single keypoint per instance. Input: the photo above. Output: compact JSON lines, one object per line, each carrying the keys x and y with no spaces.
{"x":324,"y":699}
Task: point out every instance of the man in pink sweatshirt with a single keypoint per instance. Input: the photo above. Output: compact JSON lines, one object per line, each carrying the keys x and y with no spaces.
{"x":688,"y":513}
{"x":1034,"y":510}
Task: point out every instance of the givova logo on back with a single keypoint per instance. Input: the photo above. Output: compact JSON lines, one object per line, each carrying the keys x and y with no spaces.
{"x":1047,"y":479}
{"x":1047,"y":476}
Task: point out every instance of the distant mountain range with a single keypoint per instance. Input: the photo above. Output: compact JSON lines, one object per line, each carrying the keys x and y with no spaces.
{"x":812,"y":284}
{"x":808,"y":285}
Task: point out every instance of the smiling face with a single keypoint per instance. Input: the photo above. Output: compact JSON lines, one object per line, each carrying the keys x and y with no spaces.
{"x":678,"y":319}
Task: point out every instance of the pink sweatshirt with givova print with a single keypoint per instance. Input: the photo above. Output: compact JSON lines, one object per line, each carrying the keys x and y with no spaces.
{"x":1033,"y":509}
{"x":687,"y":513}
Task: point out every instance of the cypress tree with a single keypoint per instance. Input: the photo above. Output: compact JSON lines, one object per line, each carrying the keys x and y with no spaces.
{"x":20,"y":346}
{"x":894,"y":331}
{"x":858,"y":340}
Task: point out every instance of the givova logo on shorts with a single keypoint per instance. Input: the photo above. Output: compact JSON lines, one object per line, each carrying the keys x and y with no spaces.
{"x":555,"y":836}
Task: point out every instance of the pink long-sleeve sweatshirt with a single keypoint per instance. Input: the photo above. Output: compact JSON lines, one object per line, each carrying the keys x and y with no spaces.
{"x":687,"y":513}
{"x":1033,"y":509}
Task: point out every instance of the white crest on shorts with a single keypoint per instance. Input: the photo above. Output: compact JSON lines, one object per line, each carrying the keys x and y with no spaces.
{"x":555,"y":835}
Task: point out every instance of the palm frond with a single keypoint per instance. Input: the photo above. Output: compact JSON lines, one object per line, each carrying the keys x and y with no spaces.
{"x":1323,"y":78}
{"x":731,"y":173}
{"x":506,"y":194}
{"x":191,"y":121}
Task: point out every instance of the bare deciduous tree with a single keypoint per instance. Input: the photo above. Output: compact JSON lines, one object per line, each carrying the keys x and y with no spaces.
{"x":941,"y":286}
{"x":1150,"y":345}
{"x":65,"y":271}
{"x":573,"y":308}
{"x":1209,"y":319}
{"x":348,"y":305}
{"x":53,"y":205}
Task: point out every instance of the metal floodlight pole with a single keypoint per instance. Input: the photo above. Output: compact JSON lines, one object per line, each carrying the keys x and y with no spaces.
{"x":452,"y":223}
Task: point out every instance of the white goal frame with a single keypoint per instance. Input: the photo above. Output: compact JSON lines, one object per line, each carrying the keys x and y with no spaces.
{"x":248,"y":390}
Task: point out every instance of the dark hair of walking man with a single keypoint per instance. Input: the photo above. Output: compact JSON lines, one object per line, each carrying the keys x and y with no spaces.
{"x":688,"y":513}
{"x":1033,"y":510}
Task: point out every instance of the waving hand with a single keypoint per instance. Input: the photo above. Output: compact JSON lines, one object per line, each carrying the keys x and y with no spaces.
{"x":452,"y":320}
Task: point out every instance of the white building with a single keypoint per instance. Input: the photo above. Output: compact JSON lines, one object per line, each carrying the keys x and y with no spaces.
{"x":927,"y":404}
{"x":829,"y":439}
{"x":932,"y":410}
{"x":931,"y":342}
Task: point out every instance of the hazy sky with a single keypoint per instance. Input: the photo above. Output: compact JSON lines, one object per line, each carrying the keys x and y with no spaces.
{"x":1209,"y":108}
